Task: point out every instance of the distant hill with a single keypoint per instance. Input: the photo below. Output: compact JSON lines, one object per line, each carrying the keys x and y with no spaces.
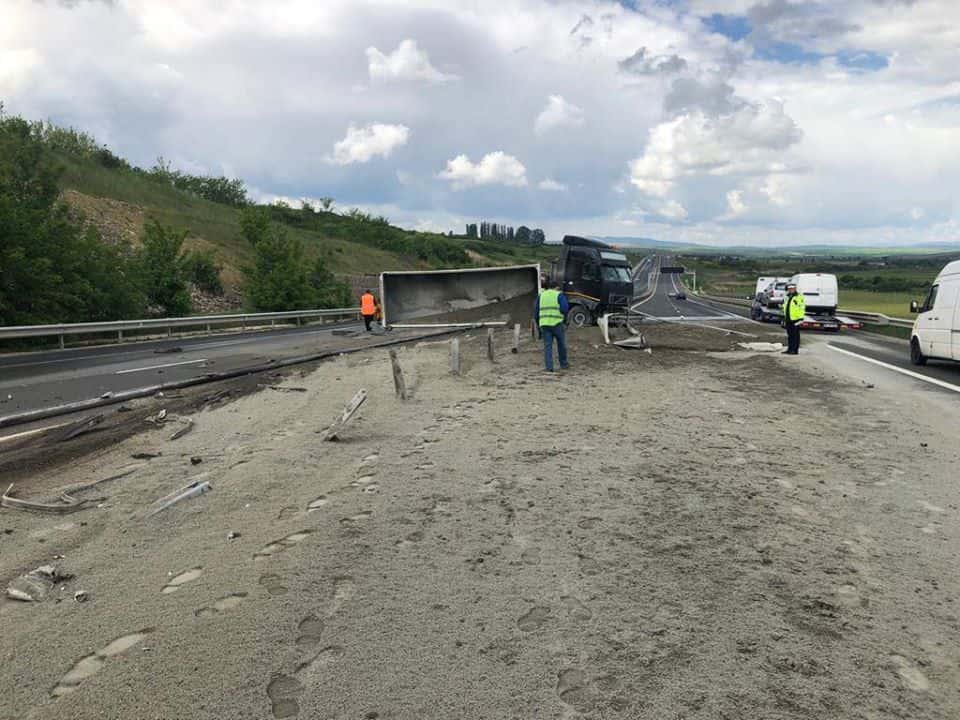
{"x":934,"y":248}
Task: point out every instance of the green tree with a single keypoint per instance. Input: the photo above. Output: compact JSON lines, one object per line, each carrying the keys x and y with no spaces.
{"x":52,"y":269}
{"x":164,"y":270}
{"x":329,"y":292}
{"x":523,"y":235}
{"x":279,"y":278}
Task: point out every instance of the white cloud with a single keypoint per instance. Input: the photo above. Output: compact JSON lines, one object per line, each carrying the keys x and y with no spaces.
{"x":362,"y":144}
{"x":558,"y":114}
{"x":551,"y":185}
{"x":695,"y":111}
{"x":673,"y":210}
{"x":407,"y":62}
{"x":735,"y":202}
{"x":496,"y":168}
{"x":749,"y":141}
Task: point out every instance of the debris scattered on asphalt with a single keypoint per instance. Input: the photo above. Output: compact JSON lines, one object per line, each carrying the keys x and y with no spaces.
{"x":81,"y":596}
{"x":187,"y":427}
{"x":196,"y":460}
{"x":107,"y":395}
{"x":194,"y":489}
{"x":216,"y":397}
{"x":168,"y":350}
{"x":145,"y":455}
{"x":67,"y":504}
{"x":80,"y":427}
{"x":36,"y":584}
{"x":158,"y":419}
{"x":280,"y":388}
{"x":233,"y":535}
{"x":124,"y":408}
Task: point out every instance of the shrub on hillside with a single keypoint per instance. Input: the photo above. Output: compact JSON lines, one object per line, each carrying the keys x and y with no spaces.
{"x":164,"y":271}
{"x":204,"y":272}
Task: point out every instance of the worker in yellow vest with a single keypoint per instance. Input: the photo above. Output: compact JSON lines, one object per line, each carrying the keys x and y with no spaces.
{"x":794,"y":310}
{"x":368,"y":308}
{"x":550,"y":312}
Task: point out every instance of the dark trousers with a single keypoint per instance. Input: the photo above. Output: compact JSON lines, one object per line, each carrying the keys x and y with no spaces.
{"x":367,"y":319}
{"x":793,"y":337}
{"x":558,"y":333}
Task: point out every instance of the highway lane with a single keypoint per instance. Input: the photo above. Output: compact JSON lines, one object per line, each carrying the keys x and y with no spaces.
{"x":867,"y":346}
{"x":45,"y":379}
{"x":663,"y":303}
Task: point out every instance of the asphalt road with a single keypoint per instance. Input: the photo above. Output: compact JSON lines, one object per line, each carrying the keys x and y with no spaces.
{"x":893,"y":354}
{"x":32,"y":381}
{"x":663,"y":303}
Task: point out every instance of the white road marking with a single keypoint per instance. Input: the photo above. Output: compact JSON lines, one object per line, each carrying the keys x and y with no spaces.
{"x":157,"y":367}
{"x":908,"y":373}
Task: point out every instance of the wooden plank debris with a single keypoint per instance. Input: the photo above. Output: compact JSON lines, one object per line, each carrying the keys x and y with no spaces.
{"x":338,"y":426}
{"x":455,"y":356}
{"x":399,"y":385}
{"x":80,"y":427}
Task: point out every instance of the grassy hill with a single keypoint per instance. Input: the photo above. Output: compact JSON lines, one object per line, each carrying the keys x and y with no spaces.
{"x":119,"y":201}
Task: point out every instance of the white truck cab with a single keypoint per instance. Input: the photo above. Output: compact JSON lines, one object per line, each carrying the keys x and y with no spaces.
{"x":936,"y":331}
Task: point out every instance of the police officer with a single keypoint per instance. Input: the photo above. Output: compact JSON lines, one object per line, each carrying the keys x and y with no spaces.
{"x":794,"y":310}
{"x":551,"y":313}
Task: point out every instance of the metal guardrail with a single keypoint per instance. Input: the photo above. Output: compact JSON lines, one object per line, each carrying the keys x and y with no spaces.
{"x":208,"y":322}
{"x":867,"y":317}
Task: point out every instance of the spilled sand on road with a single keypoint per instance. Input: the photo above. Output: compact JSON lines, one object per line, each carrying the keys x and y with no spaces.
{"x":646,"y":536}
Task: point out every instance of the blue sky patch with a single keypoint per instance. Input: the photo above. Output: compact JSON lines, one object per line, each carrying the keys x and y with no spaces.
{"x":862,"y":60}
{"x":735,"y":27}
{"x":788,"y":54}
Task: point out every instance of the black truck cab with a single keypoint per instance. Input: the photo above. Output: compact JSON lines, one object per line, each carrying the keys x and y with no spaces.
{"x":595,"y":277}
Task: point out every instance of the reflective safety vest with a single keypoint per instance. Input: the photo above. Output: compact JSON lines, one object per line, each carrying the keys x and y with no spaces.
{"x":368,"y":304}
{"x":794,"y":308}
{"x":550,"y":315}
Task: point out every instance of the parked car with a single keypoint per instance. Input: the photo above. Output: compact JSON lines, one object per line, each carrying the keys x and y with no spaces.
{"x":936,"y":331}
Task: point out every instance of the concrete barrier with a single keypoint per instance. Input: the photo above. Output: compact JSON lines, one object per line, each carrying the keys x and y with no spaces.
{"x":460,"y":296}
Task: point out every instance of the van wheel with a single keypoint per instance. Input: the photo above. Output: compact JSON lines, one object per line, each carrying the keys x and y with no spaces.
{"x":580,"y":316}
{"x":916,"y":355}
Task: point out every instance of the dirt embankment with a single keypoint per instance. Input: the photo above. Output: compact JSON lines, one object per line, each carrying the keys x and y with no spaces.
{"x":645,"y":536}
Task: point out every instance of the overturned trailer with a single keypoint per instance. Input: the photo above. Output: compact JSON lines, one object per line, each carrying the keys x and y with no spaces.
{"x":467,"y":296}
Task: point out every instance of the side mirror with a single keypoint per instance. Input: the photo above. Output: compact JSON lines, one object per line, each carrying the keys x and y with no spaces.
{"x":914,"y":306}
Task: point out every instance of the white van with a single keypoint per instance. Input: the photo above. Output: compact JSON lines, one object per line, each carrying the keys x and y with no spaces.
{"x":936,"y":331}
{"x":819,"y":290}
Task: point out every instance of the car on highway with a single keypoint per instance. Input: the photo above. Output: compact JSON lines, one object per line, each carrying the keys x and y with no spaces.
{"x":936,"y":331}
{"x":680,"y":295}
{"x":773,"y":294}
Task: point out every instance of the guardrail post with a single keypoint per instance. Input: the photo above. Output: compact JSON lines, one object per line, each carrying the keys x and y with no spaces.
{"x":119,"y":335}
{"x":169,"y":331}
{"x":208,"y":327}
{"x":61,"y":341}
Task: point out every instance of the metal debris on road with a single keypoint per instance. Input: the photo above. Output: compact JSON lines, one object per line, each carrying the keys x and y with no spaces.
{"x":81,"y":596}
{"x":194,"y":489}
{"x":281,"y":388}
{"x":145,"y":455}
{"x":196,"y":460}
{"x":80,"y":427}
{"x":68,"y":503}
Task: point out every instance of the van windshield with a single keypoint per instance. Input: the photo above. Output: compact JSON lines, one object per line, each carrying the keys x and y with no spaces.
{"x":616,"y":274}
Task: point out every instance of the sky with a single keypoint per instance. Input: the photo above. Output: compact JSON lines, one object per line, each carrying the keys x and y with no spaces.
{"x":747,"y":122}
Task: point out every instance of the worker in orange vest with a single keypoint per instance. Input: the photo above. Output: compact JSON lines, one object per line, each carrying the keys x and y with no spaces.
{"x":368,"y":308}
